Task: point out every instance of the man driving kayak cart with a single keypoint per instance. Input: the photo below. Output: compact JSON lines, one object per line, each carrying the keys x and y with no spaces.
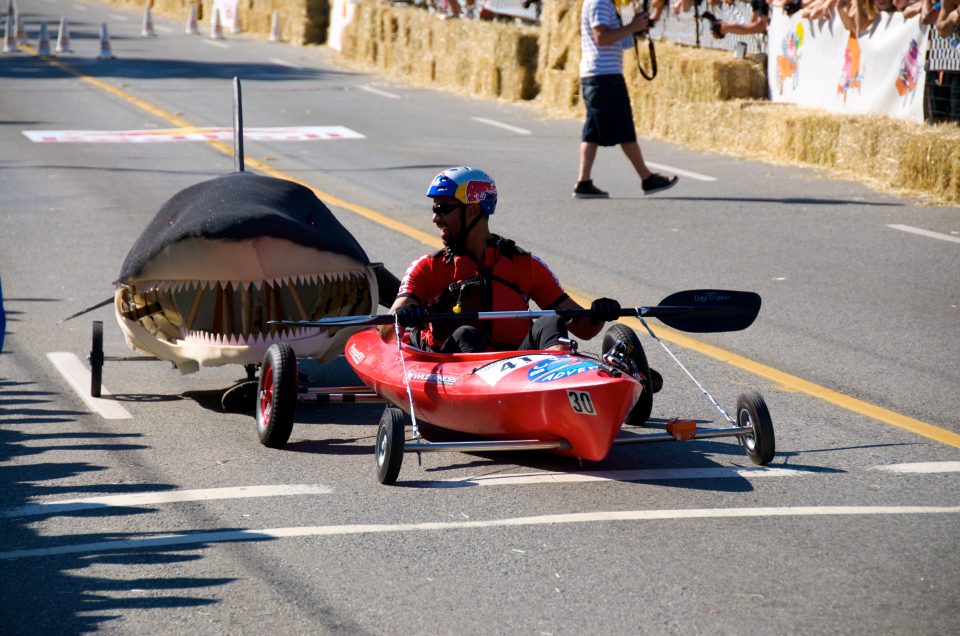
{"x":476,"y":363}
{"x":481,"y":271}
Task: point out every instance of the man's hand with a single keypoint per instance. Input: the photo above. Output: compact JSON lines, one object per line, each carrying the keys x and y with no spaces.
{"x":640,"y":23}
{"x":410,"y":315}
{"x":604,"y":310}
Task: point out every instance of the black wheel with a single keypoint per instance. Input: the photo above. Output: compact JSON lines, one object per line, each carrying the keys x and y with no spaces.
{"x":96,"y":359}
{"x":640,"y":412}
{"x":276,"y":395}
{"x":752,"y":412}
{"x":389,"y":449}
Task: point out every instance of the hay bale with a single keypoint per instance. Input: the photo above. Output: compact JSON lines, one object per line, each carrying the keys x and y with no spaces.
{"x":485,"y":59}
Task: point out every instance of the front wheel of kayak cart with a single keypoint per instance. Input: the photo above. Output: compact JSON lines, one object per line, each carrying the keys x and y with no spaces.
{"x":276,"y":395}
{"x":641,"y":411}
{"x":389,"y":449}
{"x":752,"y":413}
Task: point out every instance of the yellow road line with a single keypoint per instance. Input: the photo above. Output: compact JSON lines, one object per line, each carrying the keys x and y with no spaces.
{"x":781,"y":378}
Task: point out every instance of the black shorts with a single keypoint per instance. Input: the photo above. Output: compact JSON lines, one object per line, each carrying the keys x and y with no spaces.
{"x":609,"y":116}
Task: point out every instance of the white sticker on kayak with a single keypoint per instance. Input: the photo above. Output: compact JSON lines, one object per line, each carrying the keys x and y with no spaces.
{"x":498,"y":369}
{"x":581,"y":402}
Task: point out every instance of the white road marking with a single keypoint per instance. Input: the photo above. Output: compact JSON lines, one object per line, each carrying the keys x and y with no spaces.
{"x":434,"y":526}
{"x":161,"y":135}
{"x":279,"y":62}
{"x":500,"y":124}
{"x":162,"y":29}
{"x":216,"y":43}
{"x":377,"y":91}
{"x":681,"y":172}
{"x":922,"y":232}
{"x":118,"y":17}
{"x":78,"y":377}
{"x":920,"y":468}
{"x":545,"y":477}
{"x":170,"y":496}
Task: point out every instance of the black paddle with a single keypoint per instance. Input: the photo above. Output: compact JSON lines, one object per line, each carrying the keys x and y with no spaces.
{"x":694,"y":311}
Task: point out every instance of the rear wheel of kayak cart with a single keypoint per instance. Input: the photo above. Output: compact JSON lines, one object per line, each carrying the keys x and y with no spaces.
{"x":752,"y":413}
{"x":276,"y":395}
{"x":96,"y":359}
{"x":640,"y":412}
{"x":389,"y":449}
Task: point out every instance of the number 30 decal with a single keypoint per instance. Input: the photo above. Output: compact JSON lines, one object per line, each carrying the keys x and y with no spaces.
{"x":580,"y":402}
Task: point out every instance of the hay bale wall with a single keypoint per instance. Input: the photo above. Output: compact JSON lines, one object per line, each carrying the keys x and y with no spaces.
{"x":301,"y":21}
{"x":468,"y":56}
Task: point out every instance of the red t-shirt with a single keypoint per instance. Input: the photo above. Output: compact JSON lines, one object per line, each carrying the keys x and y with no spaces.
{"x":508,"y":280}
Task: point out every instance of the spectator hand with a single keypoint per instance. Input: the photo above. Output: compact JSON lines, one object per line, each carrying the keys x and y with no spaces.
{"x":604,"y":310}
{"x":410,"y":316}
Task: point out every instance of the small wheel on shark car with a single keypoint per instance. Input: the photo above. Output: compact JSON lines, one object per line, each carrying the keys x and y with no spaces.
{"x":96,"y":359}
{"x":276,"y":395}
{"x":389,"y":449}
{"x":752,"y":413}
{"x":641,"y":411}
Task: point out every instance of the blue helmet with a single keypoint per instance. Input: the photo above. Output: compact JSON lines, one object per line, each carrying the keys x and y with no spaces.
{"x":467,"y":185}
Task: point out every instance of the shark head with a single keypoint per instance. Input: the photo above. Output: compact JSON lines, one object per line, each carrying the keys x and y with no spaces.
{"x":225,"y":256}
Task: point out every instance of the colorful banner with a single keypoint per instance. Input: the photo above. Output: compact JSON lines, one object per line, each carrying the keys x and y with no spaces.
{"x":298,"y":133}
{"x":820,"y":64}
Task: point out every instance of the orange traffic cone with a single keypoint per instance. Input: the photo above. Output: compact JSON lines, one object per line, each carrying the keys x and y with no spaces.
{"x":191,"y":28}
{"x":43,"y":43}
{"x":9,"y":35}
{"x":105,"y":51}
{"x":63,"y":37}
{"x":216,"y":31}
{"x":275,"y":27}
{"x":147,"y":31}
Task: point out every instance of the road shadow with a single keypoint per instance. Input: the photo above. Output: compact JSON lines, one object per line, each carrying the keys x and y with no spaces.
{"x":622,"y":464}
{"x":776,"y":200}
{"x":23,"y":67}
{"x":44,"y":592}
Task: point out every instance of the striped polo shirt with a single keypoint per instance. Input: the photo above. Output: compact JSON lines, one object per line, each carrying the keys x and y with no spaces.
{"x":600,"y":60}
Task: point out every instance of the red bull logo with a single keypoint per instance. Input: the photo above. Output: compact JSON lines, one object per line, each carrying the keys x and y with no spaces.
{"x":478,"y":191}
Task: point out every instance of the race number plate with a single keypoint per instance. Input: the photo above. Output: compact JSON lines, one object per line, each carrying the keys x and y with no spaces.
{"x":581,"y":402}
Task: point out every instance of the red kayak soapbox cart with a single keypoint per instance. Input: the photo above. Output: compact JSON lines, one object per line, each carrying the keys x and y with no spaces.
{"x":566,"y":402}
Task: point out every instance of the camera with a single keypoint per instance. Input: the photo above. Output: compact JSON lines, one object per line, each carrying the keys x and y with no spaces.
{"x":792,"y":7}
{"x":714,"y":24}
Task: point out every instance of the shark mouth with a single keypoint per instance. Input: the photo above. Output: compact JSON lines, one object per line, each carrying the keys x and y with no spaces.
{"x":235,"y":313}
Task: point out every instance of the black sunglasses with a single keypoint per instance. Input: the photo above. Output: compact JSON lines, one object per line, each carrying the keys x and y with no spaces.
{"x":443,"y":209}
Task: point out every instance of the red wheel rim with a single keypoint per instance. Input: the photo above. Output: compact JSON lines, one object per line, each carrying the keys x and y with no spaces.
{"x":266,"y":397}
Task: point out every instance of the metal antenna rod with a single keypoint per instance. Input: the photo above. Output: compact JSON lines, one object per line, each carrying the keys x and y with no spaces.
{"x":237,"y":126}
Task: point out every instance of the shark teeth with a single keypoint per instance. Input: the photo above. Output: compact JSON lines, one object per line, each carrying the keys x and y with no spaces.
{"x":237,"y":313}
{"x":256,"y":339}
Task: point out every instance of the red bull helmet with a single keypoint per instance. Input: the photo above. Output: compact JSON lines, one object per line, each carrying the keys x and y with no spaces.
{"x":467,"y":185}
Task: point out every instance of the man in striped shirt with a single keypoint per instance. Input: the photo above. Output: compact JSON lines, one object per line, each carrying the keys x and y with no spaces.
{"x":609,"y":119}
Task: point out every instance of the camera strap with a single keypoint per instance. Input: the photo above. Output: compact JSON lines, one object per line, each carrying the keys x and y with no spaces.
{"x":652,"y":73}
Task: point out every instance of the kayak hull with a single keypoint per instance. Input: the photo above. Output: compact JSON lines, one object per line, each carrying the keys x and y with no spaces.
{"x":510,"y":395}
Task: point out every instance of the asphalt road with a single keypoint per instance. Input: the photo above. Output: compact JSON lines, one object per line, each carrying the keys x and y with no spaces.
{"x":137,"y":525}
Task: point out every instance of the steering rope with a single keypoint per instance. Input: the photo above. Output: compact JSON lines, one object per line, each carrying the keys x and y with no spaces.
{"x":700,"y":386}
{"x":406,"y":379}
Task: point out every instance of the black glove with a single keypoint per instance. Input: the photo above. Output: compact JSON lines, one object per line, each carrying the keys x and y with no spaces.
{"x":410,"y":316}
{"x":604,"y":309}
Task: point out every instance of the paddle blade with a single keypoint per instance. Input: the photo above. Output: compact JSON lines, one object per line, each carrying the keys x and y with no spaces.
{"x":707,"y":310}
